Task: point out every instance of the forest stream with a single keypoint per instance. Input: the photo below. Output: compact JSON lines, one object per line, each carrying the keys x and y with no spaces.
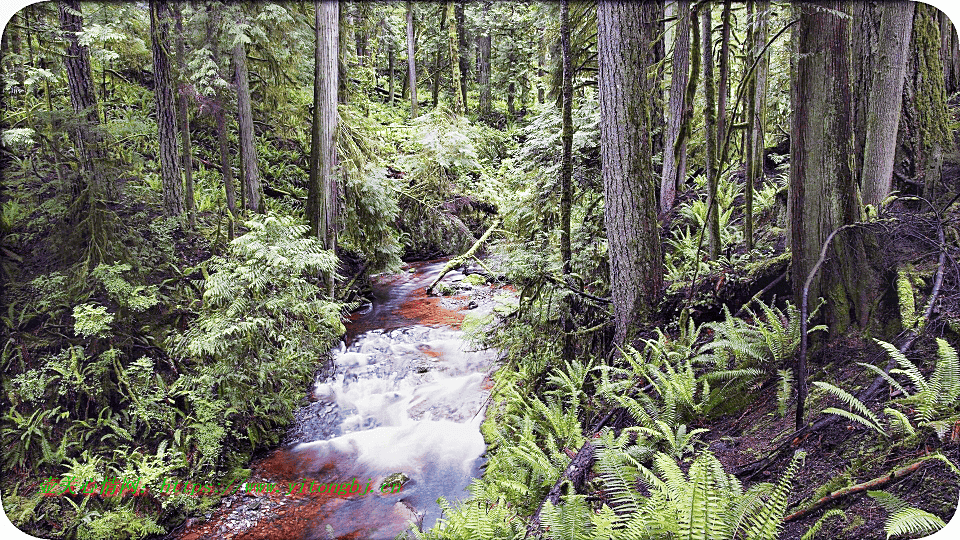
{"x":402,"y":403}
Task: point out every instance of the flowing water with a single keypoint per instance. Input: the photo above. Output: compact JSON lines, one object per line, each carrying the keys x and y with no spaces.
{"x":406,"y":394}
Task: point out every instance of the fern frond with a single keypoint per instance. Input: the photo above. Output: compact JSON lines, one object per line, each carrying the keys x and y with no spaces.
{"x":905,"y":519}
{"x":815,"y":528}
{"x":863,"y":415}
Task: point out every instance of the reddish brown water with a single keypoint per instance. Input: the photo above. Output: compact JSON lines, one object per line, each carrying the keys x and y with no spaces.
{"x":406,"y":397}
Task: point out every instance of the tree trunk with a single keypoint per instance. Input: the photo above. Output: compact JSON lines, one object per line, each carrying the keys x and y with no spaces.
{"x":188,"y":198}
{"x":883,"y":119}
{"x":925,"y":115}
{"x":713,"y":213}
{"x":657,"y":52}
{"x":463,"y":49}
{"x":566,"y":137}
{"x":865,"y":42}
{"x":823,"y":193}
{"x":84,"y":101}
{"x":324,"y":187}
{"x":675,"y":146}
{"x":391,"y":61}
{"x":248,"y":152}
{"x":411,"y":62}
{"x":485,"y":43}
{"x":453,"y":43}
{"x":166,"y":113}
{"x":756,"y":110}
{"x":226,"y":163}
{"x":723,"y":89}
{"x":630,"y":214}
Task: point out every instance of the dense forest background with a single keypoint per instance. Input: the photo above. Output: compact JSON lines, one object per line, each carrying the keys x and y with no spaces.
{"x":733,"y":228}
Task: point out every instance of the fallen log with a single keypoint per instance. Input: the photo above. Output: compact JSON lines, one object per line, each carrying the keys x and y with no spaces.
{"x":876,"y":483}
{"x":576,"y":472}
{"x":461,"y":259}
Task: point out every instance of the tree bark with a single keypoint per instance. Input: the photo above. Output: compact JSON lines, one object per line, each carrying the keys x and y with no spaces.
{"x":485,"y":43}
{"x":710,"y":129}
{"x":883,"y":119}
{"x":756,"y":110}
{"x":391,"y":61}
{"x":463,"y":49}
{"x":226,"y":163}
{"x":84,"y":101}
{"x":188,"y":198}
{"x":248,"y":151}
{"x":723,"y":89}
{"x":566,"y":138}
{"x":324,"y":187}
{"x":823,"y":193}
{"x":411,"y":62}
{"x":675,"y":146}
{"x":170,"y":173}
{"x":630,"y":214}
{"x":453,"y":43}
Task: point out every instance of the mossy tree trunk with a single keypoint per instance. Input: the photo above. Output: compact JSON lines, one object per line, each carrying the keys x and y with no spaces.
{"x":566,"y":138}
{"x":485,"y":107}
{"x":453,"y":44}
{"x":823,"y":193}
{"x":710,"y":129}
{"x":182,"y":102}
{"x":629,"y":184}
{"x":675,"y":145}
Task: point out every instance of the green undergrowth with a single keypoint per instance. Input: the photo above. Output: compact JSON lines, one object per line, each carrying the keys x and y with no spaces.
{"x":152,"y":372}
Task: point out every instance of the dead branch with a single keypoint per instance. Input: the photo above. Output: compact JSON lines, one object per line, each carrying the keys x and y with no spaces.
{"x":876,"y":483}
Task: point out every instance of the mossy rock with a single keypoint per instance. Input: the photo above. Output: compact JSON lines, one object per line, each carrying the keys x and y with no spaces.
{"x":394,"y":481}
{"x":474,"y":279}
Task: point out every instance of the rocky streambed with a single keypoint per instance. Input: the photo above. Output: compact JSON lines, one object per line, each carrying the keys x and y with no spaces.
{"x":397,"y":411}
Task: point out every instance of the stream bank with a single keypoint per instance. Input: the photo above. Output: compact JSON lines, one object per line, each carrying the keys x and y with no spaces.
{"x":403,"y":398}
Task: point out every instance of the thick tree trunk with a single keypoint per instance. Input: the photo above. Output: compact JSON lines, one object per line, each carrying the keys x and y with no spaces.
{"x":566,"y":137}
{"x":823,"y":193}
{"x":710,"y":121}
{"x":182,"y":98}
{"x":485,"y":43}
{"x":675,"y":146}
{"x":453,"y":43}
{"x":248,"y":152}
{"x":170,"y":173}
{"x":327,"y":187}
{"x":883,"y":119}
{"x":865,"y":42}
{"x":629,"y":185}
{"x":84,"y":101}
{"x":411,"y":62}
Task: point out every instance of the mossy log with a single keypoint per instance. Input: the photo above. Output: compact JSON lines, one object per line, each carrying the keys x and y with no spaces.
{"x":461,"y":259}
